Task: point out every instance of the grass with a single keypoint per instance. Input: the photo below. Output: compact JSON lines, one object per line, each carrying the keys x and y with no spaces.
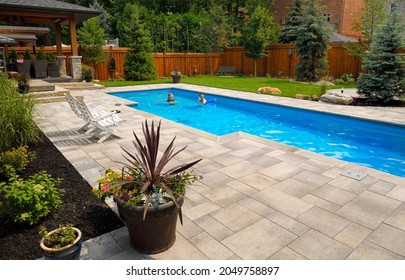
{"x":248,"y":84}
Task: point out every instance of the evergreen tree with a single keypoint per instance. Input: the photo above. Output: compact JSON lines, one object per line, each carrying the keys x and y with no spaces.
{"x":386,"y":73}
{"x":91,"y":38}
{"x":139,"y":64}
{"x":311,"y":44}
{"x":259,"y":32}
{"x":104,"y":18}
{"x":289,"y":33}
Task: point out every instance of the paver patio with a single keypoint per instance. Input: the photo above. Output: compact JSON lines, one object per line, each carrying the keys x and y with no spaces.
{"x":259,"y":199}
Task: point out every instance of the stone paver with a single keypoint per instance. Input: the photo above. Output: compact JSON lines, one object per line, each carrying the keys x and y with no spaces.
{"x":264,"y":238}
{"x":259,"y":199}
{"x":317,"y":246}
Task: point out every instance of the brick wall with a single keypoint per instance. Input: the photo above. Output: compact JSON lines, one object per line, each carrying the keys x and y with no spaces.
{"x":342,"y":13}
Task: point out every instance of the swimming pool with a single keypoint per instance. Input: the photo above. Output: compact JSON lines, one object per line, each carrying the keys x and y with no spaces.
{"x":372,"y":144}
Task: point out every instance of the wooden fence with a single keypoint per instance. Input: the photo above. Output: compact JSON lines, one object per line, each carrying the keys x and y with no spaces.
{"x":281,"y":61}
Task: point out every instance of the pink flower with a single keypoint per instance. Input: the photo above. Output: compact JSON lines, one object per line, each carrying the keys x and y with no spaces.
{"x":104,"y":187}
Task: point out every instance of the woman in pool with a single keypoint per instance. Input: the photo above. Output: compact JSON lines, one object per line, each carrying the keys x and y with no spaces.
{"x":202,"y":100}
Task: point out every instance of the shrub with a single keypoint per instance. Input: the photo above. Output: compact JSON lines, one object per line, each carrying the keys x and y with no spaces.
{"x":17,"y":126}
{"x":14,"y":161}
{"x":27,"y":54}
{"x":50,"y":57}
{"x":40,"y":55}
{"x":27,"y":201}
{"x":13,"y":56}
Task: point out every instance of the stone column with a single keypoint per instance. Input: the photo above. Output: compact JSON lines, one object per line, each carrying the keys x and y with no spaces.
{"x":76,"y":67}
{"x":61,"y":62}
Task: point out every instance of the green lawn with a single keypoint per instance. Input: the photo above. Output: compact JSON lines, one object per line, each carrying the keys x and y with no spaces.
{"x":249,"y":84}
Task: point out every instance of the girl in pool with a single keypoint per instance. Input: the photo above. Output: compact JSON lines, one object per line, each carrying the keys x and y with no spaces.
{"x":202,"y":99}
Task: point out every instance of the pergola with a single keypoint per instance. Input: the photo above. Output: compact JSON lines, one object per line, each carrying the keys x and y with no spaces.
{"x":49,"y":12}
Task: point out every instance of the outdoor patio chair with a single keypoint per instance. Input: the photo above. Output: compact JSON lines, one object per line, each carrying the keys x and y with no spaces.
{"x":96,"y":112}
{"x":103,"y":123}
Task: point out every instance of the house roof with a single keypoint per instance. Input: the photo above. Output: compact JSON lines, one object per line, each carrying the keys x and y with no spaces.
{"x":51,"y":8}
{"x":336,"y":37}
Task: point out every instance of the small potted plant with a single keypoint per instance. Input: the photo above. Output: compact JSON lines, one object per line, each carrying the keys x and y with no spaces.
{"x":176,"y":75}
{"x":23,"y":82}
{"x":63,"y":243}
{"x":87,"y":73}
{"x":149,"y":198}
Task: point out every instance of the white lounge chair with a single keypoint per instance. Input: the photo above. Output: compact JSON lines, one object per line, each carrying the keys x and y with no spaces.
{"x":96,"y":112}
{"x":102,"y":122}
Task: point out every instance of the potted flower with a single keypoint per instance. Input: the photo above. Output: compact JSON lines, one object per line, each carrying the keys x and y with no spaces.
{"x":23,"y":82}
{"x":148,"y":197}
{"x":87,"y":73}
{"x":63,"y":243}
{"x":176,"y":75}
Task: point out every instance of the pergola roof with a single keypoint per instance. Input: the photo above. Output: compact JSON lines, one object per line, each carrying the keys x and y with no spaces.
{"x":6,"y":41}
{"x":43,"y":11}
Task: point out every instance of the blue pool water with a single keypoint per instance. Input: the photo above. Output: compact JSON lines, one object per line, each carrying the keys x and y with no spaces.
{"x":377,"y":145}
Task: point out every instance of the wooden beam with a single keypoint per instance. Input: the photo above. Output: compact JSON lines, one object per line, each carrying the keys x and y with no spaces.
{"x":73,"y":37}
{"x":58,"y":38}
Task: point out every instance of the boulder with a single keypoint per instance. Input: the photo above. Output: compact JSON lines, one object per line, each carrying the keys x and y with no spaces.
{"x":336,"y":98}
{"x":302,"y":96}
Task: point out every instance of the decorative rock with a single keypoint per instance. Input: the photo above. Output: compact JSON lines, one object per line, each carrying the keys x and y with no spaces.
{"x":336,"y":98}
{"x":302,"y":96}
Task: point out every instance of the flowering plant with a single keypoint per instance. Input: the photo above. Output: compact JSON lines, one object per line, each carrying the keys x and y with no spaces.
{"x":143,"y":181}
{"x":175,"y":72}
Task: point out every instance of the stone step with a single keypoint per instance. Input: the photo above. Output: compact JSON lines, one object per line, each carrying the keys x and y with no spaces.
{"x":39,"y":85}
{"x":51,"y":99}
{"x":81,"y":85}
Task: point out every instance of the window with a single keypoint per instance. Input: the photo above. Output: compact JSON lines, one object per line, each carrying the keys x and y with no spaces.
{"x":396,"y":7}
{"x":326,"y":17}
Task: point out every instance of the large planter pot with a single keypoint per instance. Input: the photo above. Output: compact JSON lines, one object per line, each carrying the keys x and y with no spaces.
{"x":53,"y":70}
{"x":24,"y":67}
{"x":40,"y":68}
{"x":157,"y":232}
{"x":176,"y":79}
{"x":69,"y":252}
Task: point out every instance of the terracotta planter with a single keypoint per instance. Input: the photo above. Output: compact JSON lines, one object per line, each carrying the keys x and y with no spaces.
{"x":157,"y":232}
{"x":69,"y":252}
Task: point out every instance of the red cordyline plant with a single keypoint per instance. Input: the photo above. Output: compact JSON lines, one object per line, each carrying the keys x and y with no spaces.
{"x":144,"y":180}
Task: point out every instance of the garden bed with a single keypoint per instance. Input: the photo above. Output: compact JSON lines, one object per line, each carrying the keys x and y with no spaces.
{"x":79,"y":207}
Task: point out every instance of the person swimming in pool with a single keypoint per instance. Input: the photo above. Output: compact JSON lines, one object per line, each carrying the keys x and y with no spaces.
{"x":170,"y":99}
{"x":202,"y":99}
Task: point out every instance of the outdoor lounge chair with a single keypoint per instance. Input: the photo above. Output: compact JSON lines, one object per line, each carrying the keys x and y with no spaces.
{"x":96,"y":113}
{"x":102,"y":122}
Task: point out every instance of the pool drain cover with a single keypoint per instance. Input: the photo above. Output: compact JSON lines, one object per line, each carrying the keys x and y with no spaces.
{"x":354,"y":174}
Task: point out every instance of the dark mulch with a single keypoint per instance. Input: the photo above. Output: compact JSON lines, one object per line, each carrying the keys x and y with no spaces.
{"x":79,"y":207}
{"x":363,"y":102}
